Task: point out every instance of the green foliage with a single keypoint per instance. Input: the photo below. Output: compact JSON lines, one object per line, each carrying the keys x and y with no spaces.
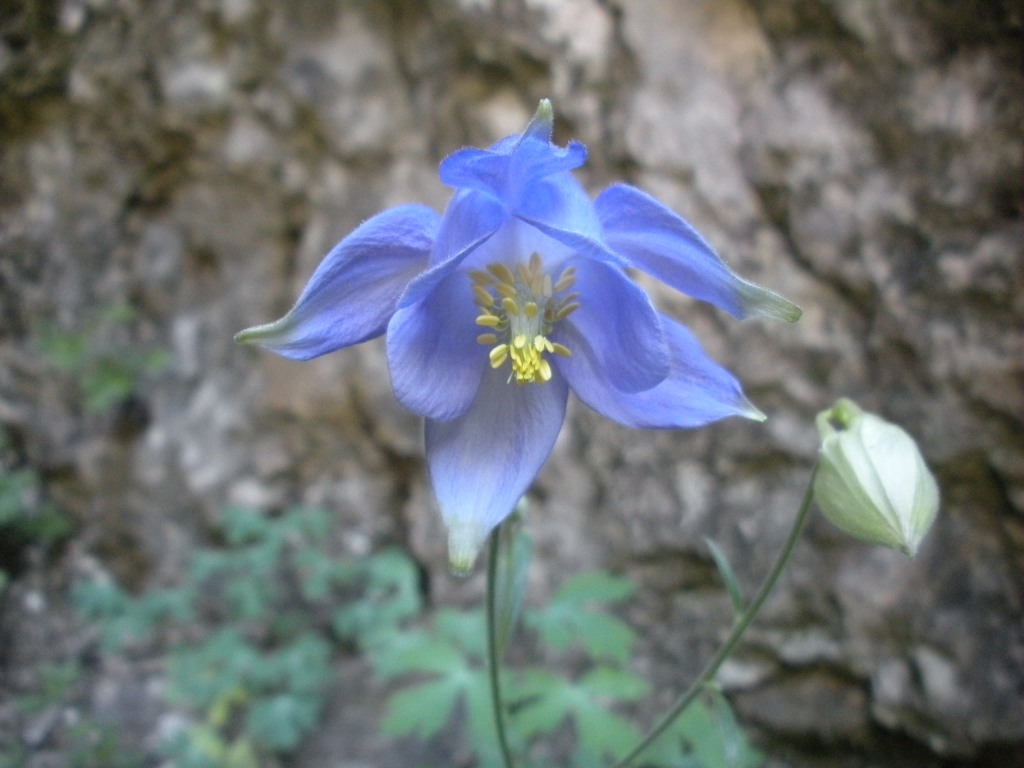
{"x":257,"y":620}
{"x":124,"y":619}
{"x":443,"y":664}
{"x":83,"y":742}
{"x":448,"y":664}
{"x":548,"y":700}
{"x":273,"y":604}
{"x":55,"y":680}
{"x":578,"y":613}
{"x":25,"y":516}
{"x":105,"y":366}
{"x":725,"y":570}
{"x":389,"y":596}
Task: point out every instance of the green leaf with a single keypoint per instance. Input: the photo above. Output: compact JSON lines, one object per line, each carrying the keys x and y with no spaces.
{"x":426,"y":706}
{"x":541,"y":703}
{"x":279,"y":722}
{"x":595,"y":586}
{"x":421,"y":710}
{"x":221,"y":664}
{"x":63,"y":351}
{"x":601,"y":734}
{"x":563,"y":622}
{"x":482,"y":731}
{"x":240,"y":525}
{"x":118,"y":313}
{"x":15,"y":489}
{"x":708,"y":732}
{"x":390,"y":596}
{"x":109,"y":382}
{"x":315,"y":571}
{"x":612,"y":683}
{"x":303,"y":666}
{"x":575,"y":614}
{"x":465,"y":629}
{"x":416,"y":651}
{"x":725,"y":568}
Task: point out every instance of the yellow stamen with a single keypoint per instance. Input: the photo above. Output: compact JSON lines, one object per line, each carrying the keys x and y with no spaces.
{"x":506,"y":290}
{"x":566,"y":280}
{"x":498,"y":355}
{"x":565,"y":311}
{"x":483,"y":298}
{"x":502,"y":272}
{"x":522,"y":306}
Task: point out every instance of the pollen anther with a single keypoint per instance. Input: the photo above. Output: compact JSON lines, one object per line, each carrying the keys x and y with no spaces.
{"x":522,"y":306}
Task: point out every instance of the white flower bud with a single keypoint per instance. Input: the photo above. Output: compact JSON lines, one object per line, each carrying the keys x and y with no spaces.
{"x":872,"y":481}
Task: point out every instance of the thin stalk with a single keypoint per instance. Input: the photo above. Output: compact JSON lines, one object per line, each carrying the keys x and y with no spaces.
{"x":738,"y":628}
{"x":492,"y":648}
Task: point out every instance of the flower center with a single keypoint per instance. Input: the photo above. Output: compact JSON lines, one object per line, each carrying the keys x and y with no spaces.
{"x":521,"y":308}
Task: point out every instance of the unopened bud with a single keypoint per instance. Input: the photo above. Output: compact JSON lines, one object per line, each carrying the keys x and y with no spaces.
{"x":872,"y":481}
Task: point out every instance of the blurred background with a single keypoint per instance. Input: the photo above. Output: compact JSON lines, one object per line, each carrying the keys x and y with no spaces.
{"x":173,"y":172}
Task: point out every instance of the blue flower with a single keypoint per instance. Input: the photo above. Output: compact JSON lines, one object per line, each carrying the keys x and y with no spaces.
{"x":516,"y":295}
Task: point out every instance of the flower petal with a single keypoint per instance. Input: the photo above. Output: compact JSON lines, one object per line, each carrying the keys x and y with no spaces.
{"x":508,"y":168}
{"x":469,"y":219}
{"x":483,"y":462}
{"x":696,"y":392}
{"x":577,"y":240}
{"x":353,"y":293}
{"x":618,"y":325}
{"x":434,"y":359}
{"x":661,"y":243}
{"x":560,"y":204}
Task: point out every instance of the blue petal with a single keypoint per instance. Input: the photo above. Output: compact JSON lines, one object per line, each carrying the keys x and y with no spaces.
{"x":558,"y":203}
{"x":434,"y":359}
{"x":353,"y":293}
{"x":508,"y":176}
{"x":469,"y":219}
{"x":696,"y":392}
{"x":482,"y":462}
{"x":576,"y":239}
{"x":620,"y":328}
{"x":659,"y":242}
{"x":508,"y":169}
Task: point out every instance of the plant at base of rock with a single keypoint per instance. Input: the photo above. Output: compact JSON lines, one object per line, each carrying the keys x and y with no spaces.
{"x":447,"y":663}
{"x":57,"y":731}
{"x":256,"y":624}
{"x":26,"y":519}
{"x":105,"y":366}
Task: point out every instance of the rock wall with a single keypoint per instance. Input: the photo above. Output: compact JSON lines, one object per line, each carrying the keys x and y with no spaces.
{"x":196,"y":160}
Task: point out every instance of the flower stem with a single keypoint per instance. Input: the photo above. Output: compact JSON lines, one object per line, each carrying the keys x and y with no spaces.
{"x":493,"y":661}
{"x":739,"y":627}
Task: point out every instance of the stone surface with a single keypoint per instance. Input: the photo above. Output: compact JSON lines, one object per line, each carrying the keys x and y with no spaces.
{"x":195,"y":160}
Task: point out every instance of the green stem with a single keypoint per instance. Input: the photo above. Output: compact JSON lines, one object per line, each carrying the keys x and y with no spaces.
{"x":492,"y":647}
{"x":739,"y":627}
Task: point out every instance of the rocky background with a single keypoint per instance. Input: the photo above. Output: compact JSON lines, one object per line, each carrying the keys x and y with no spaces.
{"x":194,"y":160}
